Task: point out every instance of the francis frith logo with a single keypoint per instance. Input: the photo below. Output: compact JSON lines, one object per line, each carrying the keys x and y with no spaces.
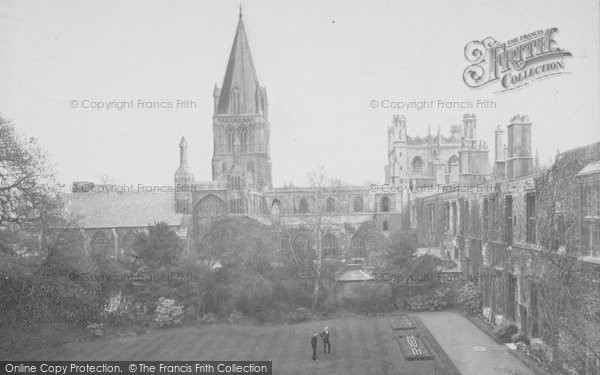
{"x":514,"y":63}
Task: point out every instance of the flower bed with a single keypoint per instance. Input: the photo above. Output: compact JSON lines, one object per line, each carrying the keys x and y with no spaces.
{"x":414,"y":348}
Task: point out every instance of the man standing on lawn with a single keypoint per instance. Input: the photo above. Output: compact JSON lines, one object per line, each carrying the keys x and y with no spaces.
{"x":313,"y":343}
{"x":326,"y":344}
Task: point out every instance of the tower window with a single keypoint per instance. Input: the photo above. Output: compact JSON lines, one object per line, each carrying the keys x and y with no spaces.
{"x":230,"y":140}
{"x":385,"y":204}
{"x":303,"y":206}
{"x":244,"y":140}
{"x":417,"y":166}
{"x":330,"y":205}
{"x":358,"y":204}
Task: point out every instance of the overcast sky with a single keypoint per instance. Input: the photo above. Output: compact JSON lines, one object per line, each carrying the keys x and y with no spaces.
{"x":322,"y":63}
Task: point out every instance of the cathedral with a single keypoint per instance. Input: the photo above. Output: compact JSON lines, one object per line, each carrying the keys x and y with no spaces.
{"x":242,"y":181}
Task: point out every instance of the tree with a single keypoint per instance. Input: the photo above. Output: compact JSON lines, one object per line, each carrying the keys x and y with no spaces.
{"x":159,"y":247}
{"x":29,"y":193}
{"x":322,"y":188}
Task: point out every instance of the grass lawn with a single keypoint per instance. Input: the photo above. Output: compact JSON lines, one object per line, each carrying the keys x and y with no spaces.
{"x":360,"y":345}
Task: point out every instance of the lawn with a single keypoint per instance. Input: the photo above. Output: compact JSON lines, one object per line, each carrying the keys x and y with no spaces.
{"x":360,"y":345}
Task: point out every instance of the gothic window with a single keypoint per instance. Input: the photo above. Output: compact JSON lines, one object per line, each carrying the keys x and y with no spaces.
{"x":359,"y":246}
{"x":252,"y":138}
{"x":243,"y":140}
{"x":210,"y":206}
{"x":330,"y":206}
{"x":303,"y":206}
{"x":417,"y":165}
{"x":230,"y":139}
{"x":385,"y":204}
{"x":358,"y":204}
{"x":301,"y":247}
{"x":396,"y":169}
{"x":275,"y":206}
{"x":237,"y":206}
{"x":264,"y":206}
{"x":530,"y":217}
{"x":250,"y":170}
{"x":330,"y":246}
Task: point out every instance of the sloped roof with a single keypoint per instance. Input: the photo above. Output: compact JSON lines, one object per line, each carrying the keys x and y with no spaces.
{"x":122,"y":210}
{"x":240,"y":74}
{"x":354,"y":275}
{"x":592,"y":168}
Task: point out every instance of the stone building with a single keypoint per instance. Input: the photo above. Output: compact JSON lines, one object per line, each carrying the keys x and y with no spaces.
{"x":519,"y":234}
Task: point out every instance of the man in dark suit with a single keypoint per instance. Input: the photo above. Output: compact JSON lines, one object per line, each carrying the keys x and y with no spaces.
{"x":326,"y":343}
{"x":313,"y":343}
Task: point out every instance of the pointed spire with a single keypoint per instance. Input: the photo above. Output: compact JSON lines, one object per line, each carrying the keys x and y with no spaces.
{"x":240,"y":11}
{"x":240,"y":85}
{"x":183,"y":159}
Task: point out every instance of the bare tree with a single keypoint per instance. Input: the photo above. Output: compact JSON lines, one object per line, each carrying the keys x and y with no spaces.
{"x":322,"y":188}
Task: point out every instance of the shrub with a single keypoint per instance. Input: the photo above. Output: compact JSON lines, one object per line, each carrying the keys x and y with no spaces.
{"x":235,"y":317}
{"x":252,"y":293}
{"x":520,"y":337}
{"x":301,"y":314}
{"x":369,"y":297}
{"x":469,"y":298}
{"x":505,"y":331}
{"x":209,"y":318}
{"x":168,"y":313}
{"x":431,"y":301}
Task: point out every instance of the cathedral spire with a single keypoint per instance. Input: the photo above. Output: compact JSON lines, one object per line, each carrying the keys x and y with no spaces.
{"x":240,"y":85}
{"x":183,"y":157}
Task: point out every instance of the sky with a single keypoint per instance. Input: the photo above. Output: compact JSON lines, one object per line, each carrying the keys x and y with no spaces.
{"x":323,"y":64}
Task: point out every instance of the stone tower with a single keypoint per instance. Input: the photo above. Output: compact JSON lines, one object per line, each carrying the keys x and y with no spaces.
{"x":241,"y":127}
{"x":183,"y":181}
{"x":395,"y":169}
{"x":520,"y":160}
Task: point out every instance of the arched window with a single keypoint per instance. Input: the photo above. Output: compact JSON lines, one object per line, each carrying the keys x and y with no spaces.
{"x":359,"y":246}
{"x":230,"y":139}
{"x":329,"y":246}
{"x":330,"y":206}
{"x":252,"y":138}
{"x":358,"y":204}
{"x":301,"y":247}
{"x":243,"y":134}
{"x":210,"y":206}
{"x":385,"y":204}
{"x":385,"y":226}
{"x":275,"y":206}
{"x":250,"y":171}
{"x":303,"y":206}
{"x":417,"y":165}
